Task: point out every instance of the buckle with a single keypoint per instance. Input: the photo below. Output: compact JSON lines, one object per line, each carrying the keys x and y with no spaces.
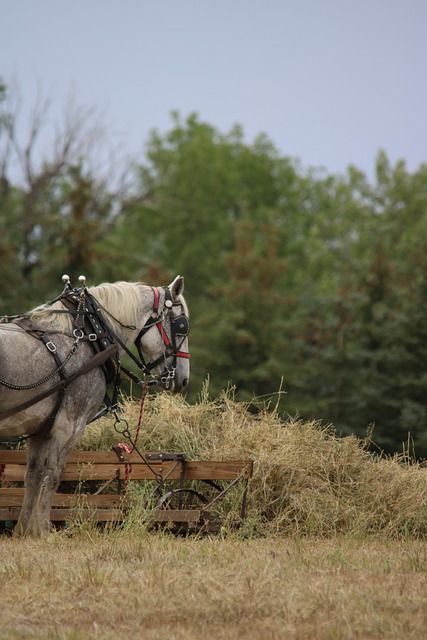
{"x":92,"y":337}
{"x":51,"y":347}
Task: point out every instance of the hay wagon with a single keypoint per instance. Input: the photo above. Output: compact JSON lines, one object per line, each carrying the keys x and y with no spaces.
{"x":186,"y":495}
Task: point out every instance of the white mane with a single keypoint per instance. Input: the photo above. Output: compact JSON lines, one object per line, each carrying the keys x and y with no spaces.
{"x":123,"y":300}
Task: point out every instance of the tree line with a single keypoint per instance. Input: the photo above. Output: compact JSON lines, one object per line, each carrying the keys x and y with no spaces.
{"x":296,"y":279}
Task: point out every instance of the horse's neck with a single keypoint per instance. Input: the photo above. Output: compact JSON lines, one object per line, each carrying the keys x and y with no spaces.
{"x":127,"y":327}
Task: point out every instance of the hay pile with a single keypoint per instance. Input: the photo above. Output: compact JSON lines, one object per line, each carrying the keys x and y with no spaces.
{"x":306,"y":480}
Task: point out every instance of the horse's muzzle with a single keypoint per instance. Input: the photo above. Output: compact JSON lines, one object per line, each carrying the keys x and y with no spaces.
{"x":174,"y":385}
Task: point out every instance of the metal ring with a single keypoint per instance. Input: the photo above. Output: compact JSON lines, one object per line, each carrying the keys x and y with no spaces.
{"x":78,"y":334}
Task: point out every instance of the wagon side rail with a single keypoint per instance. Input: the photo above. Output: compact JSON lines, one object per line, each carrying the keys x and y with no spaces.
{"x":105,"y":467}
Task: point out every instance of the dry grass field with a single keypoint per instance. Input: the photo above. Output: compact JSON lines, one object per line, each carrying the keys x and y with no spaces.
{"x":132,"y":584}
{"x":335,"y":544}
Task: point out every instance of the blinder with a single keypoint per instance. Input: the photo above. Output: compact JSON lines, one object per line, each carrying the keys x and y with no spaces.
{"x":180,"y":326}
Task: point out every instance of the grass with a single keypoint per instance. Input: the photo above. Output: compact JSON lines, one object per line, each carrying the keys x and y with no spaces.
{"x":131,"y":584}
{"x":334,"y":546}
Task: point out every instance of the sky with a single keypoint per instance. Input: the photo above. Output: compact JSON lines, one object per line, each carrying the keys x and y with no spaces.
{"x":329,"y":81}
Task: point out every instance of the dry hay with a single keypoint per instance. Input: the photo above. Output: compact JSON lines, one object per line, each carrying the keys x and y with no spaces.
{"x":307,"y":481}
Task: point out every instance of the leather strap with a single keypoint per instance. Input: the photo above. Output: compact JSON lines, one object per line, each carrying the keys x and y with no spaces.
{"x":87,"y":366}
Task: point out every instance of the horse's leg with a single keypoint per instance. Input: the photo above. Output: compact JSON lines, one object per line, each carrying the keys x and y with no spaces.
{"x":46,"y":459}
{"x":40,"y":478}
{"x":47,"y":454}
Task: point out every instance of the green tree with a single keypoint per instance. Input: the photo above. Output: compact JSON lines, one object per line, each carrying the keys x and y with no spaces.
{"x":244,"y":326}
{"x":369,"y":336}
{"x":210,"y":205}
{"x":297,"y":275}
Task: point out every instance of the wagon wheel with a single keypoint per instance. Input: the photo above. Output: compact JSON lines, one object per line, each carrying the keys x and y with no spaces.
{"x":182,"y":499}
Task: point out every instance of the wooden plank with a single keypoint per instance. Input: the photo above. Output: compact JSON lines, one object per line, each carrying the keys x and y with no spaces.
{"x":64,"y":515}
{"x":104,"y":457}
{"x":223,"y":469}
{"x":13,"y":497}
{"x":97,"y":471}
{"x":9,"y":514}
{"x":215,"y":470}
{"x":16,"y":472}
{"x":13,"y":457}
{"x":110,"y":457}
{"x":194,"y":470}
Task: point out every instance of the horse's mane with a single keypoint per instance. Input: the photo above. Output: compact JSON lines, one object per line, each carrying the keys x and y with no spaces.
{"x":120,"y":299}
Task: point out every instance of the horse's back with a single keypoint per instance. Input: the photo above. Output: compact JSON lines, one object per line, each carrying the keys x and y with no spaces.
{"x":28,"y":369}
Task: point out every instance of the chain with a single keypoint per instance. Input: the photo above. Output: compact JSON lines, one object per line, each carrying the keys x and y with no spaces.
{"x":126,"y":432}
{"x":167,"y":376}
{"x":124,"y":446}
{"x":78,"y":335}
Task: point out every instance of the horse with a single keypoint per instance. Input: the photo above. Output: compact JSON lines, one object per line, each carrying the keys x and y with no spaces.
{"x":56,"y":362}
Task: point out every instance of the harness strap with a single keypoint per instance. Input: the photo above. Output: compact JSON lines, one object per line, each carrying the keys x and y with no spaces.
{"x":30,"y":327}
{"x":35,"y":331}
{"x":48,"y":423}
{"x":87,"y":366}
{"x":100,"y":336}
{"x":105,"y":343}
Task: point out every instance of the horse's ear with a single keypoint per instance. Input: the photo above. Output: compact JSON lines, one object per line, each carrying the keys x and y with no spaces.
{"x":177,"y":287}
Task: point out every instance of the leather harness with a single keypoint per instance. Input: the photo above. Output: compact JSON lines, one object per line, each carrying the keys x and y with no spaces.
{"x":90,"y":326}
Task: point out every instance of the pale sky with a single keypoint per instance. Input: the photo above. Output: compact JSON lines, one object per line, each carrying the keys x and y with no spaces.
{"x":329,"y":81}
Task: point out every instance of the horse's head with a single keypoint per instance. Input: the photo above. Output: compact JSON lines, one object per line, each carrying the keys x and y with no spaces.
{"x":164,"y":337}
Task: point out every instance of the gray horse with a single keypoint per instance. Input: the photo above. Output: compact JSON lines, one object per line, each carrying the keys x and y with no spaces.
{"x":55,"y":363}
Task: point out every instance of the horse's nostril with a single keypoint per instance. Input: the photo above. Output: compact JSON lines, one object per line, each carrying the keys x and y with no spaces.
{"x":184,"y":382}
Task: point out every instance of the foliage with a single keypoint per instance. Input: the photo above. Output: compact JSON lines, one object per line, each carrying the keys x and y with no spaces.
{"x":293,"y":277}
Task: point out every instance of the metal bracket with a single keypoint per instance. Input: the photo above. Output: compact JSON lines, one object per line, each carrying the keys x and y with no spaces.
{"x":51,"y":347}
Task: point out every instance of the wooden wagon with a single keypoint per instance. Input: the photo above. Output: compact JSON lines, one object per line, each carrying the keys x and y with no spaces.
{"x":94,"y":484}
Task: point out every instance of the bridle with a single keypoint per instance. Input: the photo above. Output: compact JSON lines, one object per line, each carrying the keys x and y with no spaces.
{"x":91,"y":308}
{"x":179,"y":328}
